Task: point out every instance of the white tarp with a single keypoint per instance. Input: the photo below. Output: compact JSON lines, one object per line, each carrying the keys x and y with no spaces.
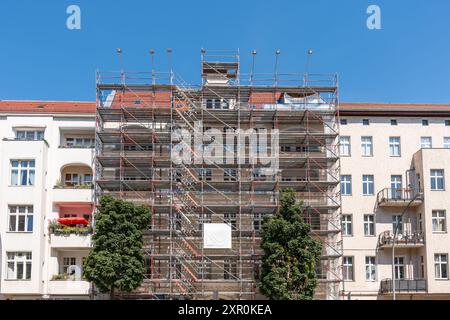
{"x":216,"y":236}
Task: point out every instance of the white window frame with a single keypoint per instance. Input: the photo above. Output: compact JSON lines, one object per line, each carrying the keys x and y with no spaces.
{"x":370,"y":268}
{"x":367,"y":146}
{"x":19,"y":258}
{"x":395,"y":146}
{"x":348,"y":271}
{"x":446,"y":142}
{"x":399,"y":268}
{"x":26,"y":214}
{"x":439,"y":219}
{"x":397,"y":219}
{"x":441,"y":261}
{"x":347,"y":225}
{"x":345,"y":146}
{"x":426,"y":142}
{"x":66,"y":263}
{"x":80,"y":142}
{"x":20,"y":169}
{"x":346,"y":183}
{"x":368,"y":182}
{"x":436,"y":177}
{"x":369,"y":225}
{"x":38,"y":135}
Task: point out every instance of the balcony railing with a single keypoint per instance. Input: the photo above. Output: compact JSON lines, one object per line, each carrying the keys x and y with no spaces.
{"x":409,"y":239}
{"x":418,"y":285}
{"x":401,"y":196}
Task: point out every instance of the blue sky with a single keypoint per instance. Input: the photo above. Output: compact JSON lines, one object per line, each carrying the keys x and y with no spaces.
{"x":407,"y":61}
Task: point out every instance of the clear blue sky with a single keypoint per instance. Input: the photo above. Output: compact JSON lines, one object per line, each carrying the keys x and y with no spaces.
{"x":407,"y":61}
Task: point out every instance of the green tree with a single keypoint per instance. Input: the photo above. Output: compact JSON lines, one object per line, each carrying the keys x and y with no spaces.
{"x":290,"y":253}
{"x":116,"y":260}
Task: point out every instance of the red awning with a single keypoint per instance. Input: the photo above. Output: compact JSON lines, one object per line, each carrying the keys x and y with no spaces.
{"x":73,"y":221}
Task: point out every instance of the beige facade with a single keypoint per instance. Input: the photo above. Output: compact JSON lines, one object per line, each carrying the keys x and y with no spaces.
{"x":394,"y":170}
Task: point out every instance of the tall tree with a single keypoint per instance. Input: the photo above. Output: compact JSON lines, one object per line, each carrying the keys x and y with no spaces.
{"x":290,"y":253}
{"x":116,"y":260}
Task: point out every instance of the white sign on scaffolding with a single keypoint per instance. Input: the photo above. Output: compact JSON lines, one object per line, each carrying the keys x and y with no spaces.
{"x":216,"y":236}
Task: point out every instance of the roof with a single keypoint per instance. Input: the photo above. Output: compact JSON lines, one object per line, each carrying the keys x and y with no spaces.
{"x":47,"y":107}
{"x":379,"y":109}
{"x":346,"y":108}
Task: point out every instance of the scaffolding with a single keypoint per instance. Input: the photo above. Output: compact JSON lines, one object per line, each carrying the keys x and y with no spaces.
{"x":139,"y":118}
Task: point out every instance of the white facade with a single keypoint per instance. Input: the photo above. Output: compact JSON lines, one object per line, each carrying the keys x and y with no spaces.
{"x":388,"y":179}
{"x":48,"y":168}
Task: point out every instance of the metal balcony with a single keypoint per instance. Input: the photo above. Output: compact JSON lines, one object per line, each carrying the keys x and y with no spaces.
{"x":414,"y":239}
{"x":403,"y":286}
{"x":399,"y":197}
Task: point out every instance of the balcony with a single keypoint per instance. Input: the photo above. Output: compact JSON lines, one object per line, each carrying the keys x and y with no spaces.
{"x":403,"y":286}
{"x":68,"y":287}
{"x":73,"y":237}
{"x":399,"y":197}
{"x":72,"y":195}
{"x":402,"y":240}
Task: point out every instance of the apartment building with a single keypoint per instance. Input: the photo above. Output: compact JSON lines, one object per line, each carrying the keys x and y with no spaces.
{"x":46,"y":157}
{"x":394,"y":175}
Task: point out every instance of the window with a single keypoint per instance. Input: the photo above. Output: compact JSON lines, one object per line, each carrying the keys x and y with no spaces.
{"x":447,"y":142}
{"x":441,"y":266}
{"x":345,"y":147}
{"x":344,"y":122}
{"x":30,"y":135}
{"x":73,"y":142}
{"x":366,"y":122}
{"x":447,"y":123}
{"x":425,"y":143}
{"x":371,"y":269}
{"x":420,"y":223}
{"x":366,"y":146}
{"x":369,"y":225}
{"x":204,"y":174}
{"x":437,"y":180}
{"x":399,"y":268}
{"x":229,"y":269}
{"x":347,"y":227}
{"x":368,"y":185}
{"x":230,"y":218}
{"x":396,"y":186}
{"x":18,"y":265}
{"x":204,"y":218}
{"x":20,"y":218}
{"x":394,"y":122}
{"x":346,"y":185}
{"x":438,"y":221}
{"x":425,"y":123}
{"x":257,"y":221}
{"x":394,"y":147}
{"x":67,"y":262}
{"x":216,"y":104}
{"x":397,"y":221}
{"x":348,"y":268}
{"x":422,"y":267}
{"x":76,"y":179}
{"x":229,"y":174}
{"x":22,"y":172}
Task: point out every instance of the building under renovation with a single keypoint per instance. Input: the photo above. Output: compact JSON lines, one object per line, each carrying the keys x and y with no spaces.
{"x":216,"y":155}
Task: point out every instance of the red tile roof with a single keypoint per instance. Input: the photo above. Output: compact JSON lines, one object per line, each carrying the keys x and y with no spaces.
{"x":349,"y":106}
{"x":56,"y":107}
{"x":163,"y":99}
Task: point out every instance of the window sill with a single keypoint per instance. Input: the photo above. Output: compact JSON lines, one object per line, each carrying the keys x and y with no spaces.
{"x":439,"y":279}
{"x":18,"y":280}
{"x":21,"y":186}
{"x":19,"y":232}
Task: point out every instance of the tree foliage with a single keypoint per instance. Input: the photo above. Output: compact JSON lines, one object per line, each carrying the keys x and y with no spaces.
{"x":290,"y":253}
{"x":116,"y":260}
